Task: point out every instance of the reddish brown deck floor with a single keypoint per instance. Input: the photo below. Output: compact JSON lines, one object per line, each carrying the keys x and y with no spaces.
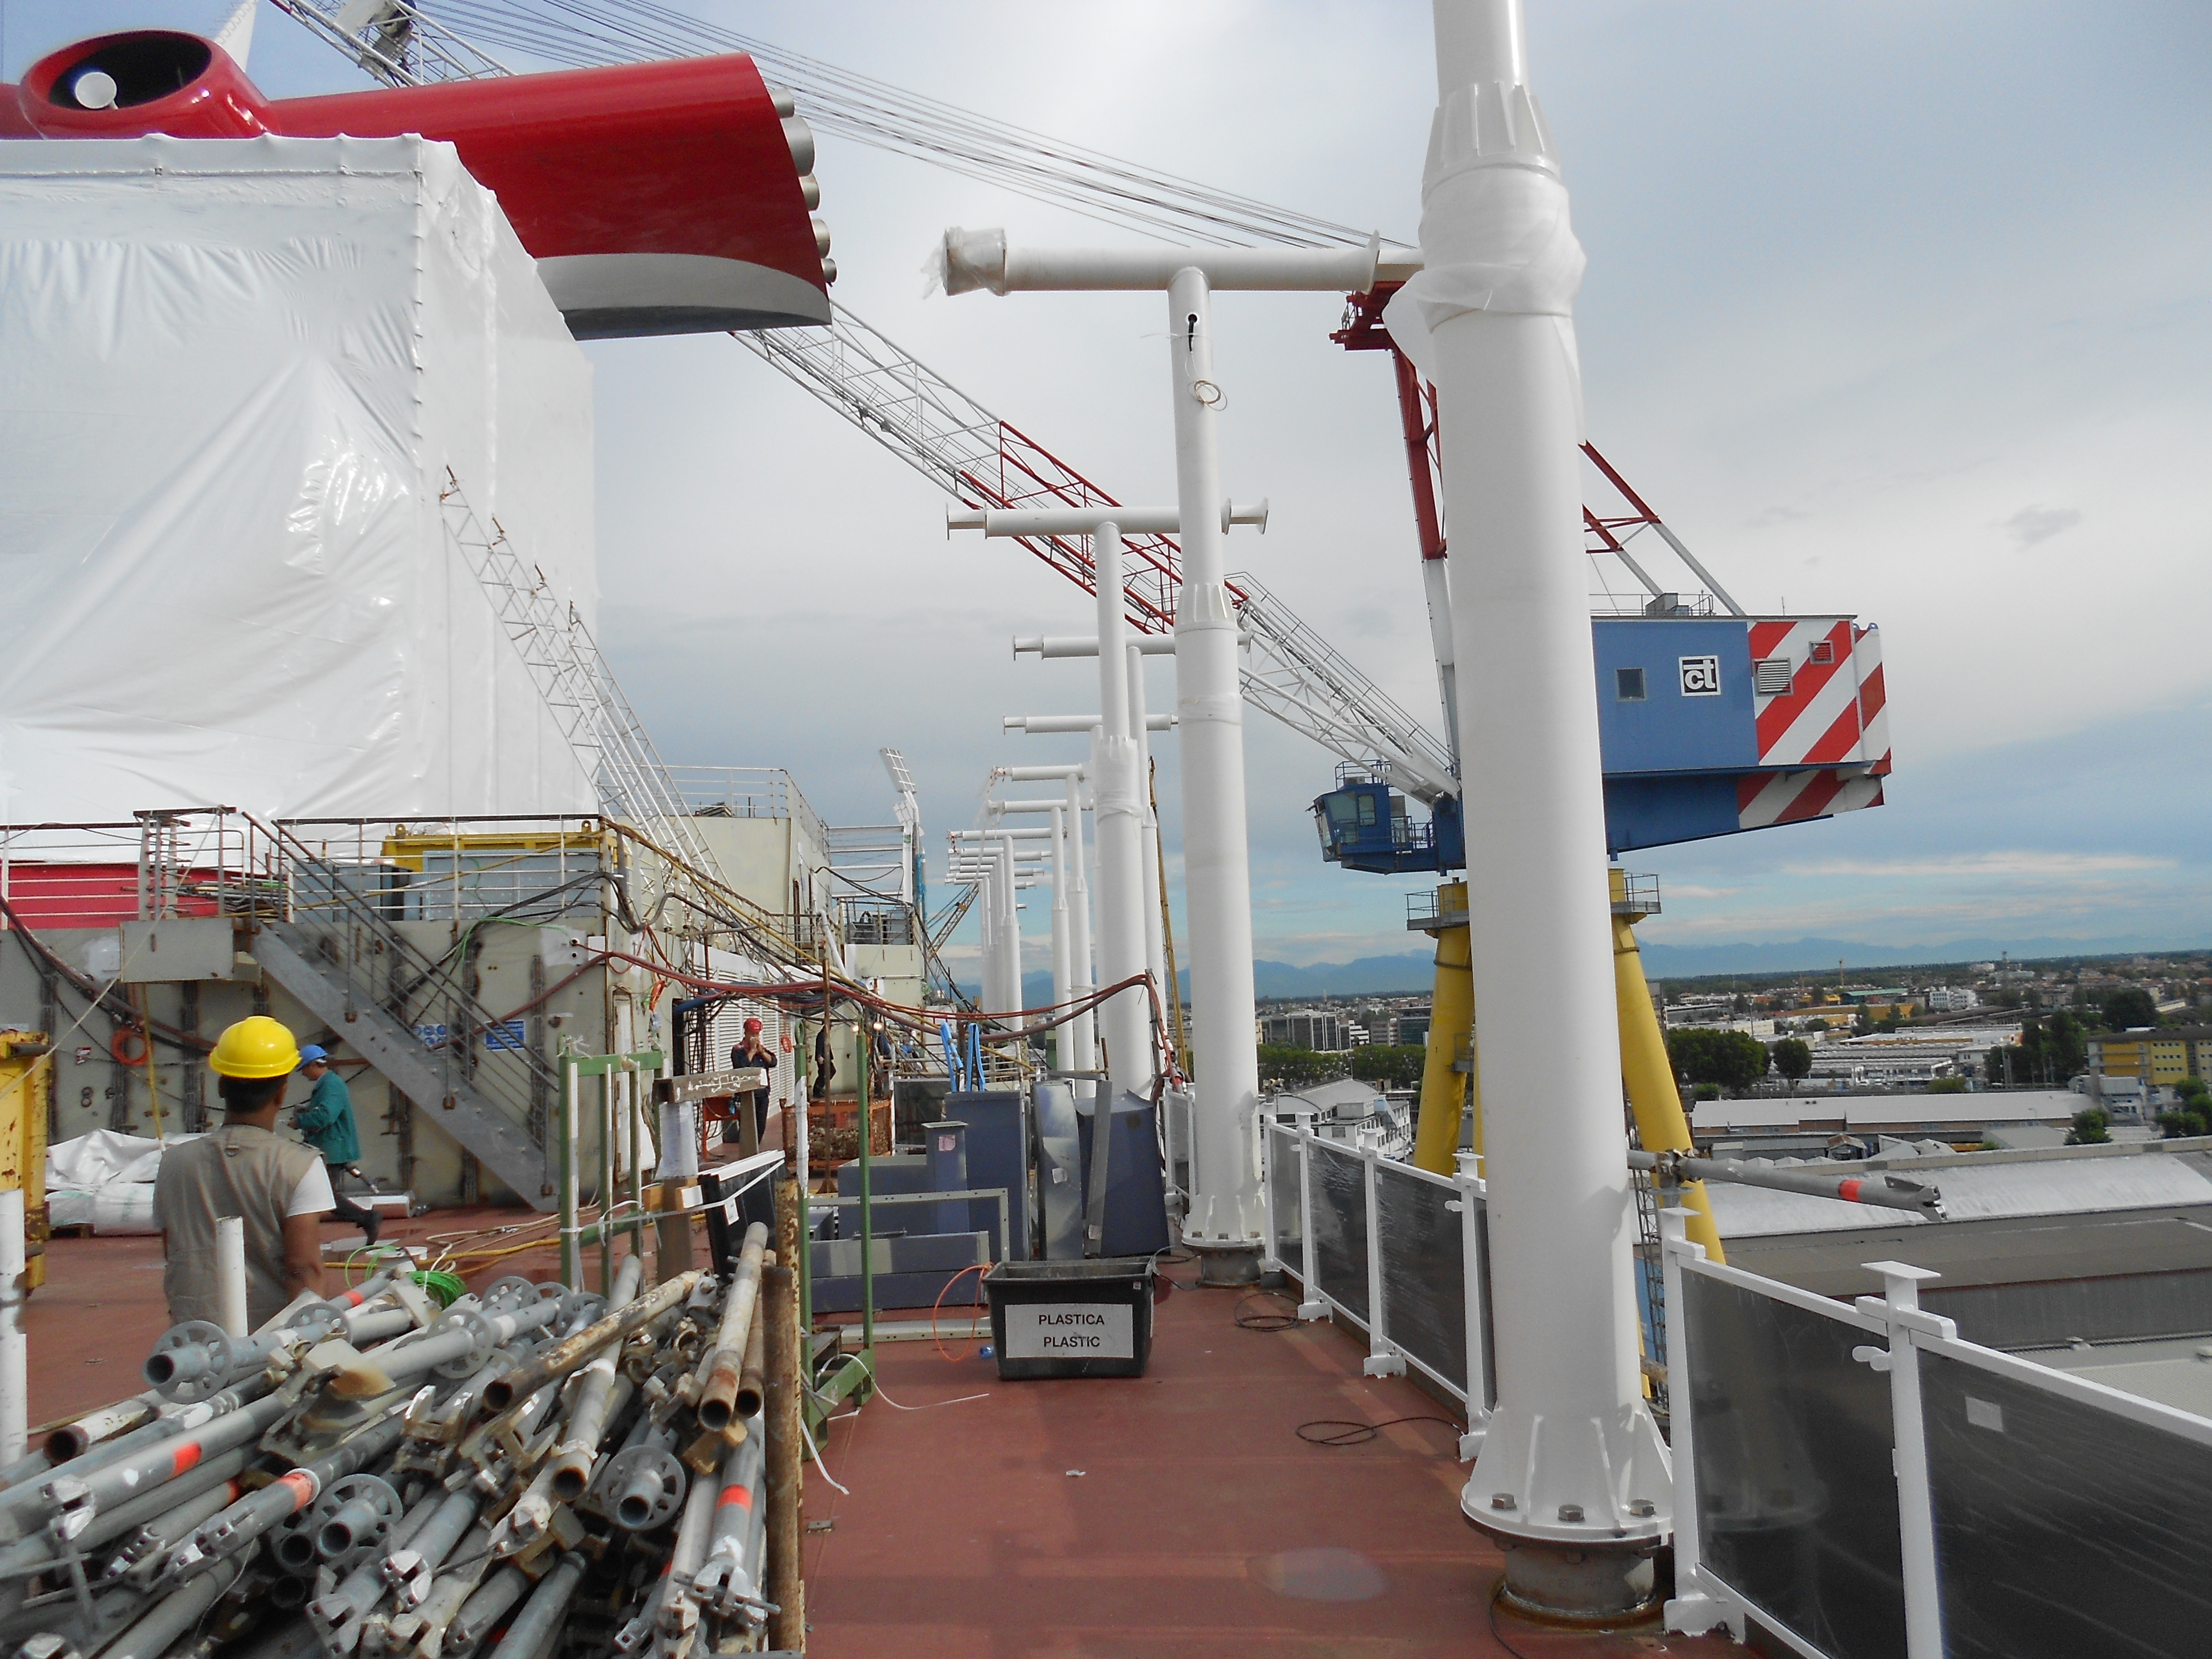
{"x":1201,"y":1524}
{"x":1170,"y":1516}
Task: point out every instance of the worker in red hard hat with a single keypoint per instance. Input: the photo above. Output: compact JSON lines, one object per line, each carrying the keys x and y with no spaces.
{"x":749,"y":1052}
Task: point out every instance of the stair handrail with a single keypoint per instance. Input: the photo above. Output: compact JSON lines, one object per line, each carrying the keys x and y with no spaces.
{"x":425,"y":969}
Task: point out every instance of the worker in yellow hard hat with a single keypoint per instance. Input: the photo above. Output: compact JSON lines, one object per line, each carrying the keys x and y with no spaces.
{"x":243,"y":1169}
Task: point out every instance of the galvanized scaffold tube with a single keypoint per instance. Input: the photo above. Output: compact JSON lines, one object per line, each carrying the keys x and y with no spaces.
{"x":729,"y":1579}
{"x":531,"y":1635}
{"x":254,"y":1513}
{"x":456,"y":1491}
{"x":599,"y":1395}
{"x":170,"y":1617}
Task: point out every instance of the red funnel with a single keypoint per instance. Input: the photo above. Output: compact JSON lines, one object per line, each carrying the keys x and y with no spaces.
{"x":659,"y":198}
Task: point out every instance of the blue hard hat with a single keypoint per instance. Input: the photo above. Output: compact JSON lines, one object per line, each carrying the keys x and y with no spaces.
{"x":312,"y":1052}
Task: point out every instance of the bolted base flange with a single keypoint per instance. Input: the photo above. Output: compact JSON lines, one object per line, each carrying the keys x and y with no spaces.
{"x":1602,"y":1582}
{"x":1225,"y":1264}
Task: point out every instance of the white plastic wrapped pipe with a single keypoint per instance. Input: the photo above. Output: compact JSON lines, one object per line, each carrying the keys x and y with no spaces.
{"x":123,"y":1208}
{"x":1125,"y":1020}
{"x":15,"y":1347}
{"x":1082,"y":976}
{"x":1155,"y":944}
{"x":230,"y":1275}
{"x":1224,"y":1220}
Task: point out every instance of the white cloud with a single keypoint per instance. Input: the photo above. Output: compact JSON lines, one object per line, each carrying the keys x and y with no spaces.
{"x":2032,"y":525}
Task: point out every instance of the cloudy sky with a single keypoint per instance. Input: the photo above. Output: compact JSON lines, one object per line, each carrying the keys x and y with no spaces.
{"x":1893,"y":309}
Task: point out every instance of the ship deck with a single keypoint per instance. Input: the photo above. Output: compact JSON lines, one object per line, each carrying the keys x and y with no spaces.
{"x":1177,"y":1514}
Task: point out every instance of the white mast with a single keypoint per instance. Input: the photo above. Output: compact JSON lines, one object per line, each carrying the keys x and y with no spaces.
{"x":1572,"y":1471}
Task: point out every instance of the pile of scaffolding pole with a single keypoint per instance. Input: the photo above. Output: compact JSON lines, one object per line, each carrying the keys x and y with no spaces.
{"x":530,"y":1471}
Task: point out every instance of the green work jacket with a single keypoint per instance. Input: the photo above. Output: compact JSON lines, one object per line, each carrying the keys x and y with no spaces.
{"x":326,"y":1122}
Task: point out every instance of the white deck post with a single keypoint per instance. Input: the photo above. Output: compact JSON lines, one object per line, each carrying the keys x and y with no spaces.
{"x":1899,"y":1308}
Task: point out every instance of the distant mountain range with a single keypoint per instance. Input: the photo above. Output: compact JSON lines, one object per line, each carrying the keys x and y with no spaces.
{"x":1411,"y":972}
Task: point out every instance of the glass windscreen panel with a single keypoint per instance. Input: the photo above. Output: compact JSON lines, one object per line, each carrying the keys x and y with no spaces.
{"x":1283,"y":1194}
{"x":1339,"y":1221}
{"x":2063,"y":1528}
{"x":1796,"y":1504}
{"x":1424,"y":1271}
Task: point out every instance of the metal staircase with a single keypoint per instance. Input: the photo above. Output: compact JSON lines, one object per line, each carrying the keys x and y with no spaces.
{"x":433,"y":1078}
{"x":324,"y":932}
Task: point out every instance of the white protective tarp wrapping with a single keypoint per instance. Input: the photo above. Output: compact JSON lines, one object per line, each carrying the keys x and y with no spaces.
{"x":232,"y":375}
{"x":105,"y":1180}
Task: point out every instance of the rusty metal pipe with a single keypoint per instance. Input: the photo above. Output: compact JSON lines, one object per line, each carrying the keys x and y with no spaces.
{"x":751,"y":1388}
{"x":564,"y":1356}
{"x":721,"y":1372}
{"x":786,"y":1474}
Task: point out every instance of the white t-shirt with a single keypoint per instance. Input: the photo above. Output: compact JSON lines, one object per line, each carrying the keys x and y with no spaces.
{"x":313,"y":1195}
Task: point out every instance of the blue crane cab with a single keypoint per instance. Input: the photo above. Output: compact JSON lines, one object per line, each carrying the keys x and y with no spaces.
{"x":1708,"y":726}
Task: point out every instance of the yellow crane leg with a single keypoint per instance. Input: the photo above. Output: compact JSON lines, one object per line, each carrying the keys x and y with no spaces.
{"x":1649,"y":1073}
{"x":1445,"y":1090}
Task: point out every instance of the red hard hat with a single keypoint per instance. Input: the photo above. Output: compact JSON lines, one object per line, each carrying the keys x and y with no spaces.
{"x":752,"y":1025}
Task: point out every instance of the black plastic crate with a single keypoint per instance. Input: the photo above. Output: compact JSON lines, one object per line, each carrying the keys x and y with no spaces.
{"x":1072,"y":1318}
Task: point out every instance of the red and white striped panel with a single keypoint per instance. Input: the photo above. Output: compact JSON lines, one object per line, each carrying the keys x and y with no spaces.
{"x":1873,"y":699}
{"x":1816,"y":721}
{"x":1793,"y":797}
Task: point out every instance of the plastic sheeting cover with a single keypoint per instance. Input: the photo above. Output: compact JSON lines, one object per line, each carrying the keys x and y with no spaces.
{"x":105,"y":1180}
{"x":232,"y":375}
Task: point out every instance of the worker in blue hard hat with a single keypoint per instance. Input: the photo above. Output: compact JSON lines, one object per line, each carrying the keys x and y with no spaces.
{"x":244,"y":1169}
{"x":325,"y":1121}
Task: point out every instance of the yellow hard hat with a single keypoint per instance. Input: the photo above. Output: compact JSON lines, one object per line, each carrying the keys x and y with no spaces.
{"x":257,"y":1047}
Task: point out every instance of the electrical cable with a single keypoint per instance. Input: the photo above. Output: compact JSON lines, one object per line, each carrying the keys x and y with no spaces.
{"x":1265,"y":1321}
{"x":876,"y":1386}
{"x":1358,"y":1434}
{"x":973,"y":1332}
{"x":816,"y":1450}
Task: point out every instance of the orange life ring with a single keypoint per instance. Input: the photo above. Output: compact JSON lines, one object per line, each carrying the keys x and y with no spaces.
{"x":127,"y":1037}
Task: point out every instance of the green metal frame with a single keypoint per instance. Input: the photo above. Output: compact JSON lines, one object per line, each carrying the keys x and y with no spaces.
{"x":602,"y":1231}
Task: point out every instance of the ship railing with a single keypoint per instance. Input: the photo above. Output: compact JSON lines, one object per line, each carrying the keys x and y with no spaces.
{"x":748,"y":791}
{"x":1397,"y":1253}
{"x":1857,"y":1479}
